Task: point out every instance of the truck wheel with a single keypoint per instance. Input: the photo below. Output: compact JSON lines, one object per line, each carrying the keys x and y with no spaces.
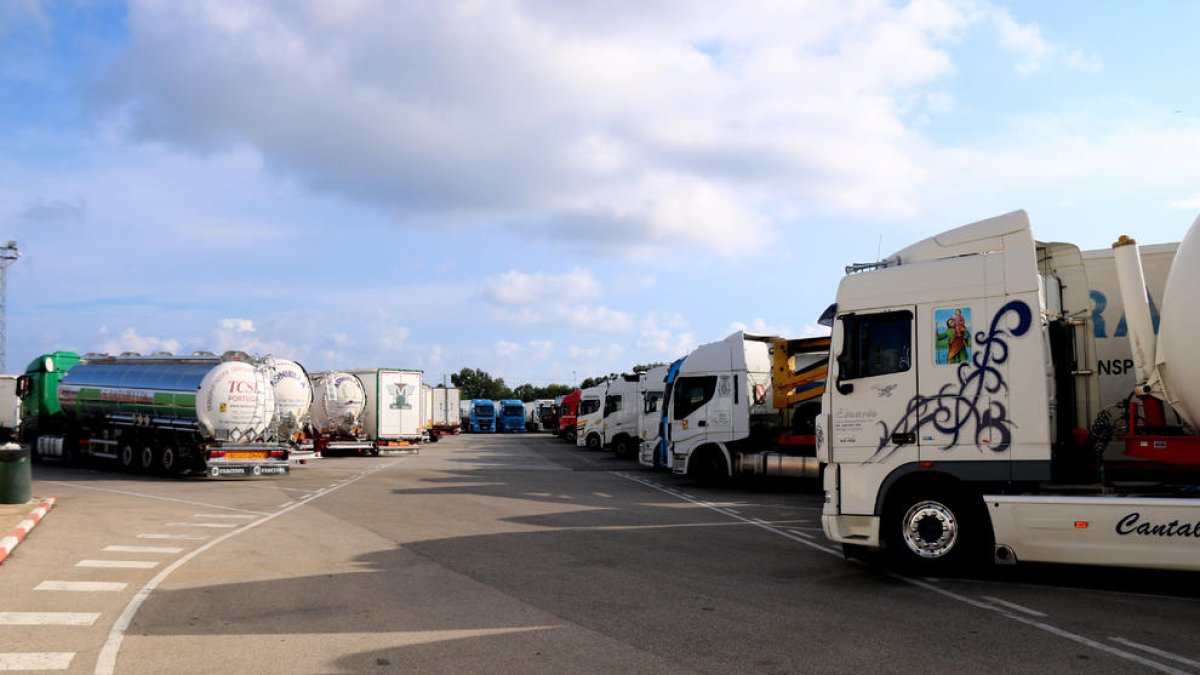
{"x":622,"y":447}
{"x":571,"y":437}
{"x":146,"y":459}
{"x":932,"y":534}
{"x":593,"y":442}
{"x":709,"y":467}
{"x":170,"y":460}
{"x":128,"y":457}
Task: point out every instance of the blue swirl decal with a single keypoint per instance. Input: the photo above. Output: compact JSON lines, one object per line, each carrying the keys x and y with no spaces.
{"x":972,"y":402}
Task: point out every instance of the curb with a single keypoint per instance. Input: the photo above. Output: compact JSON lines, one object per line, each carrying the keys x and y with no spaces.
{"x":7,"y":544}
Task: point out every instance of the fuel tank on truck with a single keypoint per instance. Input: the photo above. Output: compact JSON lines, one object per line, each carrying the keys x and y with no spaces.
{"x":1179,"y":324}
{"x":226,"y":398}
{"x":293,"y":396}
{"x":338,"y":403}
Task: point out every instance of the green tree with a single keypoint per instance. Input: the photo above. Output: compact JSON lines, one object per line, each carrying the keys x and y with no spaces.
{"x":475,"y":383}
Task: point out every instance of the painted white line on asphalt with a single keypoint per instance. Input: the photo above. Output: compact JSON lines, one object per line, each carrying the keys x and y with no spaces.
{"x":146,"y":496}
{"x":48,"y":618}
{"x":232,"y":516}
{"x":189,"y":537}
{"x":1013,"y":606}
{"x":1053,"y":630}
{"x":106,"y":662}
{"x":143,"y":549}
{"x":36,"y":660}
{"x":224,"y":525}
{"x":82,"y":586}
{"x":1157,"y":652}
{"x":118,"y":564}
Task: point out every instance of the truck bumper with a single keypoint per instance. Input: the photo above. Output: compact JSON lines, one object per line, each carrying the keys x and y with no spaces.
{"x":846,"y":529}
{"x":224,"y":468}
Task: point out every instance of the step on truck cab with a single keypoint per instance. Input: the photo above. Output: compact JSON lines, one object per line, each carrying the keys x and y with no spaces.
{"x":963,"y":417}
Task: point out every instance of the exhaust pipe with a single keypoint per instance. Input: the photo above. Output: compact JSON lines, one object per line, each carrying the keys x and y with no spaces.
{"x":775,"y":464}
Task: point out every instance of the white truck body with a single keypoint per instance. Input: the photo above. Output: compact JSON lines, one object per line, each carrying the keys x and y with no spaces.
{"x":731,"y":413}
{"x":447,"y":410}
{"x":10,"y":407}
{"x":621,"y":414}
{"x":393,"y":418}
{"x":959,"y":382}
{"x":591,"y":416}
{"x":650,"y":415}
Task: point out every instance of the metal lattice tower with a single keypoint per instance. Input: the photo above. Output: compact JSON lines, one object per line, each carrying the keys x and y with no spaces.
{"x":8,"y":256}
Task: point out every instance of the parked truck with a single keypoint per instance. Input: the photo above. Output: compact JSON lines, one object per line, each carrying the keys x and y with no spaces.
{"x":656,"y":449}
{"x":336,"y":416}
{"x":590,"y":417}
{"x":446,"y":412}
{"x":293,"y":401}
{"x":510,"y":416}
{"x":568,"y":412}
{"x":963,"y":417}
{"x":746,"y":406}
{"x":483,"y":416}
{"x":10,"y":408}
{"x":392,"y":420}
{"x":650,"y":415}
{"x":201,"y":414}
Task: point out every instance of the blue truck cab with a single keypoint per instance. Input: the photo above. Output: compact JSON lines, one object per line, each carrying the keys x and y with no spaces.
{"x":511,"y":417}
{"x":483,"y":416}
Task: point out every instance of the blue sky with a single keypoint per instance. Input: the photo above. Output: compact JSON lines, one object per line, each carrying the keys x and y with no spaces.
{"x":546,"y":190}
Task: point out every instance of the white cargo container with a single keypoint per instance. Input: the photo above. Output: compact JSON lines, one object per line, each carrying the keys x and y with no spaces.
{"x":10,"y":407}
{"x":447,"y":411}
{"x":392,"y":420}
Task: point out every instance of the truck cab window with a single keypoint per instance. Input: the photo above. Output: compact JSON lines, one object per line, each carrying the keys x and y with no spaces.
{"x":875,"y":344}
{"x":589,"y":406}
{"x":692,"y":392}
{"x":612,"y":404}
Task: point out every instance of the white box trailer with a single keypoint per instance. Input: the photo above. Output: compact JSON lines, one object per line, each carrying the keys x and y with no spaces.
{"x":10,"y":408}
{"x":393,"y":418}
{"x":447,"y":412}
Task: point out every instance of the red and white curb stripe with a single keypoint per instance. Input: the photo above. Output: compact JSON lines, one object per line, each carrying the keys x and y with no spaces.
{"x":10,"y":542}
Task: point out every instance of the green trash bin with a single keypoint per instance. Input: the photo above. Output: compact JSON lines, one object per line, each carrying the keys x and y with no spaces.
{"x":16,"y":474}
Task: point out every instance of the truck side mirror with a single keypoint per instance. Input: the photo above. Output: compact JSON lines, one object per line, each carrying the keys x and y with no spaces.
{"x":23,"y":386}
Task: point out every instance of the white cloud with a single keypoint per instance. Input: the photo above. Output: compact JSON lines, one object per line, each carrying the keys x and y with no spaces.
{"x":521,"y":288}
{"x":505,"y":348}
{"x":1189,"y":204}
{"x":612,"y":131}
{"x":761,"y":327}
{"x":131,"y":341}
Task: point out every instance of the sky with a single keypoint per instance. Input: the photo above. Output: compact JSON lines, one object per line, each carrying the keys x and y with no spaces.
{"x":546,"y":190}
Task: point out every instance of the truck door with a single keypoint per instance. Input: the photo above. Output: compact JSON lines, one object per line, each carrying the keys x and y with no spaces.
{"x":695,"y":409}
{"x":874,"y":384}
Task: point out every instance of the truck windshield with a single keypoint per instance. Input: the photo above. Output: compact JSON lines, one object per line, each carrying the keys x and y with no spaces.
{"x":514,"y":410}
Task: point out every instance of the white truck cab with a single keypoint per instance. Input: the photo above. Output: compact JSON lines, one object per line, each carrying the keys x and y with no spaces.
{"x":589,"y":421}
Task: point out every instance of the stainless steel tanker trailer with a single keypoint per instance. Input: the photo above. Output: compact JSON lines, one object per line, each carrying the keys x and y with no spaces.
{"x":339,"y":402}
{"x":199,"y":414}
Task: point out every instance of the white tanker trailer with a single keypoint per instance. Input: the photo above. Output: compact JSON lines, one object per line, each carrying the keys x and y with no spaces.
{"x":339,"y":402}
{"x":179,"y":415}
{"x":293,"y":402}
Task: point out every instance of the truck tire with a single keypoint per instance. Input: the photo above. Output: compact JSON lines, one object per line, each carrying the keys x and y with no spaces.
{"x":622,"y":446}
{"x":147,"y":459}
{"x":571,"y":437}
{"x":169,"y":460}
{"x":709,"y":467}
{"x":934,"y":533}
{"x":128,"y":457}
{"x":593,"y":442}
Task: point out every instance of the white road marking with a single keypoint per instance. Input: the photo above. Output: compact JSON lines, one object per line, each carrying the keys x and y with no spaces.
{"x":1157,"y":652}
{"x":1013,"y":605}
{"x":1053,"y":630}
{"x":82,"y":586}
{"x":48,"y":618}
{"x":119,"y":564}
{"x":189,"y":537}
{"x":36,"y":660}
{"x":225,"y":525}
{"x":106,"y":662}
{"x":238,"y":516}
{"x":146,"y":496}
{"x":142,"y":549}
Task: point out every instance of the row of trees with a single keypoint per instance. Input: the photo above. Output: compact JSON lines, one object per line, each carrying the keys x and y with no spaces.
{"x":475,"y":383}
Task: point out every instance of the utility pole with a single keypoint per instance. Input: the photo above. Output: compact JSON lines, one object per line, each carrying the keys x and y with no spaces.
{"x":8,"y":256}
